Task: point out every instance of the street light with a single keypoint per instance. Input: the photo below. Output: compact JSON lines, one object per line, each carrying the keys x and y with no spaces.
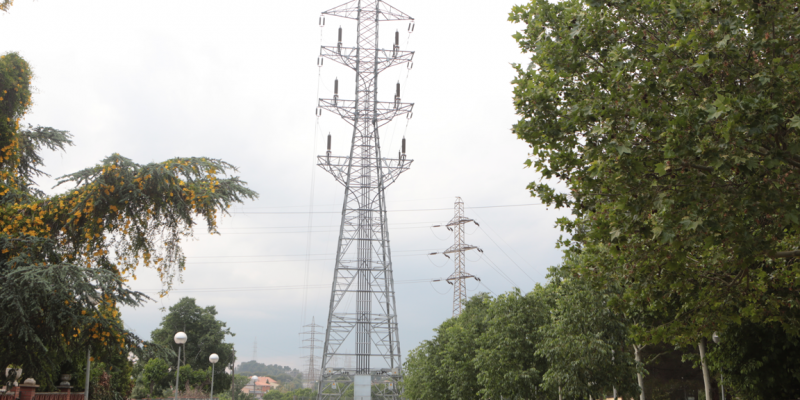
{"x":180,"y":338}
{"x":715,"y":338}
{"x":213,"y":358}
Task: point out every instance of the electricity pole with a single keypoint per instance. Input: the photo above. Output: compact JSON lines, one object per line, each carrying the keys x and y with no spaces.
{"x":362,"y":305}
{"x":459,"y":276}
{"x":312,"y":340}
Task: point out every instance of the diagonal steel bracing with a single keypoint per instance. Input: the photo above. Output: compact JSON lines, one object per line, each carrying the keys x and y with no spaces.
{"x":362,"y":319}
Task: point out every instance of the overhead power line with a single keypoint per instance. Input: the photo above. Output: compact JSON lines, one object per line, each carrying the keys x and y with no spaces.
{"x":409,"y":210}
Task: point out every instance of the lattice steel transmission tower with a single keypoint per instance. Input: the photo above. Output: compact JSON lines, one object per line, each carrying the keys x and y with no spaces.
{"x":459,"y":276}
{"x":311,"y":342}
{"x":362,"y":306}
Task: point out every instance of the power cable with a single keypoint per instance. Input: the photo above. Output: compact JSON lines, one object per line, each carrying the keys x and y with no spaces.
{"x":445,"y":292}
{"x":270,"y":288}
{"x":499,"y":271}
{"x":434,"y":264}
{"x":409,"y":210}
{"x":503,"y":251}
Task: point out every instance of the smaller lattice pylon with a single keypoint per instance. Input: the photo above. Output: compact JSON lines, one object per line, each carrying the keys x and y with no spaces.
{"x":459,"y":276}
{"x":311,"y":342}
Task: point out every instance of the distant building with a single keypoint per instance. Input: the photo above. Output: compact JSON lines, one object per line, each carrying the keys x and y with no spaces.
{"x":259,"y":385}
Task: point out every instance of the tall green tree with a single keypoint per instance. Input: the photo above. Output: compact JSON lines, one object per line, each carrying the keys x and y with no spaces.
{"x":506,"y":358}
{"x":65,"y":259}
{"x":444,"y":368}
{"x":585,"y":342}
{"x":674,"y":127}
{"x":206,"y":335}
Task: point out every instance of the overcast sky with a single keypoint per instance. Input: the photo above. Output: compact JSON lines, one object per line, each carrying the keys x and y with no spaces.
{"x":238,"y":80}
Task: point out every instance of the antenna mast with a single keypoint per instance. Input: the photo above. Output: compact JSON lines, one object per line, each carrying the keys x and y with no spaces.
{"x":362,"y":306}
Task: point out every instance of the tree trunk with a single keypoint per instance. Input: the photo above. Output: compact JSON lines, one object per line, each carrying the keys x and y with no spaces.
{"x":639,"y":376}
{"x":706,"y":377}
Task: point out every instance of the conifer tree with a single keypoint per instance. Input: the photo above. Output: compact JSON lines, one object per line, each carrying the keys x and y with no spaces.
{"x":65,"y":259}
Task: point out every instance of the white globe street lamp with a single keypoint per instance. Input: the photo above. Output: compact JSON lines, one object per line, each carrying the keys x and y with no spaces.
{"x":213,"y":358}
{"x":180,"y":338}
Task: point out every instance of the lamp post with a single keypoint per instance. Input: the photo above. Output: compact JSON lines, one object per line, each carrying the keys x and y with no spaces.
{"x":213,"y":358}
{"x":180,"y":338}
{"x":715,"y":338}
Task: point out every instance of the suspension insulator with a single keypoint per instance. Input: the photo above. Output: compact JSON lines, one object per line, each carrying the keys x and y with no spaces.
{"x":397,"y":38}
{"x":397,"y":93}
{"x":321,"y":20}
{"x":336,"y":87}
{"x":319,"y":61}
{"x":404,"y":145}
{"x":329,"y":142}
{"x":411,"y":27}
{"x":340,"y":34}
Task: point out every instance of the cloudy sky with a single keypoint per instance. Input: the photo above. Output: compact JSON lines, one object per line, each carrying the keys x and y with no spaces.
{"x":238,"y":80}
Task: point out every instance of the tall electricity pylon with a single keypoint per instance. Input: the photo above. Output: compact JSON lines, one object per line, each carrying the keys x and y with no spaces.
{"x":362,"y":305}
{"x":459,"y":276}
{"x":311,"y":342}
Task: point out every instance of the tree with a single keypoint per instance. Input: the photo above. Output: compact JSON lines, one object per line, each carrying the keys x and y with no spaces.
{"x":674,"y":126}
{"x":758,"y":361}
{"x":64,"y":259}
{"x":506,"y":358}
{"x":206,"y":336}
{"x":584,"y":341}
{"x":155,"y":376}
{"x":444,"y":368}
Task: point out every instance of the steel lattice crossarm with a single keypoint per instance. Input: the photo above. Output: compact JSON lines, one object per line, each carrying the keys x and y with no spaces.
{"x":337,"y":166}
{"x":456,"y":248}
{"x":362,"y":310}
{"x":459,"y":276}
{"x":385,"y":12}
{"x":384,"y":111}
{"x":348,"y":56}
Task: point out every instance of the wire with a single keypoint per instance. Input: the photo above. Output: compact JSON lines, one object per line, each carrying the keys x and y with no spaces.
{"x":270,"y":288}
{"x":487,"y":288}
{"x":434,"y":289}
{"x":434,"y":264}
{"x":437,"y":236}
{"x":501,"y":249}
{"x":299,"y":255}
{"x":409,"y":210}
{"x":499,"y":271}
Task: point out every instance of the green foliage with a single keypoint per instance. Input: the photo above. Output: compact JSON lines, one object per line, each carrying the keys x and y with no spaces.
{"x":155,"y":376}
{"x":674,"y":126}
{"x":444,"y":367}
{"x":206,"y":336}
{"x":298,"y":394}
{"x":562,"y":337}
{"x":585,"y":342}
{"x":758,"y":361}
{"x":507,"y":359}
{"x":289,"y":378}
{"x":65,"y":259}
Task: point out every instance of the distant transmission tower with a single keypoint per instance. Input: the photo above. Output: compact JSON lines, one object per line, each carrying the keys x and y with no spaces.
{"x":362,"y":305}
{"x":311,"y":341}
{"x":459,"y":276}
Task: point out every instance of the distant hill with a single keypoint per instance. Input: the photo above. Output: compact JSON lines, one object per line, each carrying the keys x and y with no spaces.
{"x":287,"y":376}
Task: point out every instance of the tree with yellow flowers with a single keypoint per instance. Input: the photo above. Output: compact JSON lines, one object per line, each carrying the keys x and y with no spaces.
{"x":65,"y":259}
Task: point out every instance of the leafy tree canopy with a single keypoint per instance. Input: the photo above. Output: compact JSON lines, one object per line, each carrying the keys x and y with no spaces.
{"x":206,"y":335}
{"x":674,"y":126}
{"x":65,"y":259}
